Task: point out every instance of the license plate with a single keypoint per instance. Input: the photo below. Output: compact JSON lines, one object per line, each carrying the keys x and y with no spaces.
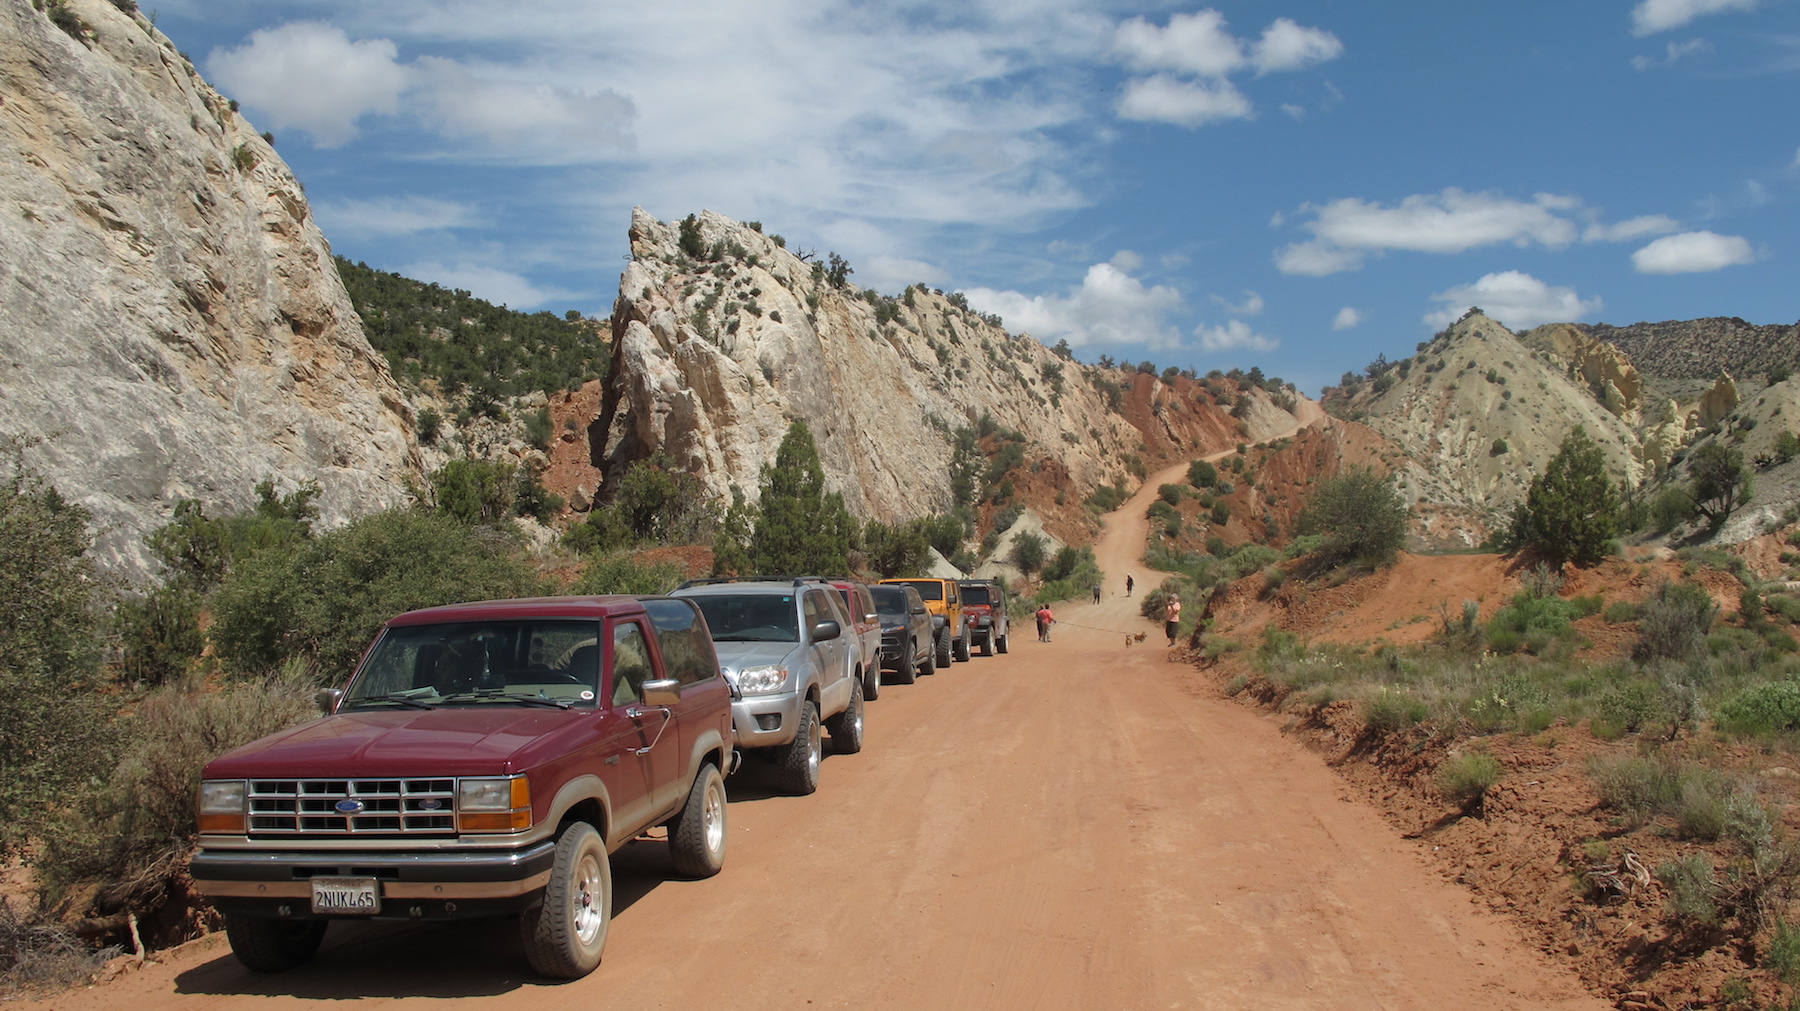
{"x":351,"y":896}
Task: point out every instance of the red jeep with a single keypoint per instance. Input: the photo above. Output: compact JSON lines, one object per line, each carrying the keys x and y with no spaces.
{"x":484,"y":760}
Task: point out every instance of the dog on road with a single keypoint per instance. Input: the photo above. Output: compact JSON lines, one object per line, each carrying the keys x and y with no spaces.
{"x":1139,"y":637}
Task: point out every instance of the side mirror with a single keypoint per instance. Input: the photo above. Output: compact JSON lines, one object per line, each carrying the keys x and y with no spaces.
{"x":919,"y":610}
{"x":663,"y":692}
{"x":827,"y":629}
{"x":327,"y":699}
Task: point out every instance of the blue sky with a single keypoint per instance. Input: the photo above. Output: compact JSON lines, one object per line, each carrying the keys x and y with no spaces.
{"x":1297,"y":186}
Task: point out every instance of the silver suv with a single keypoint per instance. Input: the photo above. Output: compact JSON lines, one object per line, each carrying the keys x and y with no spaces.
{"x":787,"y":647}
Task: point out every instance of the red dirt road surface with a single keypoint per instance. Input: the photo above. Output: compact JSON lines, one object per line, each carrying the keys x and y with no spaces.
{"x":1075,"y":825}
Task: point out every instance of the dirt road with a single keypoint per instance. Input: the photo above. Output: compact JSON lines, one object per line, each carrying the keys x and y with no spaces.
{"x":1072,"y":825}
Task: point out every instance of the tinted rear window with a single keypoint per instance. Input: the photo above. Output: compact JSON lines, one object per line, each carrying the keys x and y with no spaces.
{"x":976,"y":595}
{"x":930,"y":589}
{"x":890,"y":601}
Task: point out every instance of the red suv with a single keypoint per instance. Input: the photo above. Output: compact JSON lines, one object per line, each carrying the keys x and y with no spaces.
{"x":866,"y":625}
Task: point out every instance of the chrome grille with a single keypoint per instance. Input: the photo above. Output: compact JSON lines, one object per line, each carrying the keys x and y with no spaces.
{"x":379,"y":807}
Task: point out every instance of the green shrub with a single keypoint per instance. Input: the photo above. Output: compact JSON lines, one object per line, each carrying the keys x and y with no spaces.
{"x":1631,"y":705}
{"x":1699,"y":806}
{"x":1532,"y":622}
{"x":1620,"y":611}
{"x":1202,"y":474}
{"x":475,"y":491}
{"x":1692,"y":891}
{"x":1637,"y":786}
{"x":1571,"y":510}
{"x":159,"y":634}
{"x":131,"y":831}
{"x":1769,"y":708}
{"x":1465,"y":778}
{"x":327,"y":598}
{"x":1393,"y":709}
{"x":620,"y":573}
{"x":1674,"y":622}
{"x":537,"y":428}
{"x":1361,"y":515}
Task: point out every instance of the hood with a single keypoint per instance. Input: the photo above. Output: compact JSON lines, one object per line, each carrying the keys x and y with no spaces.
{"x":735,"y":656}
{"x":489,"y":739}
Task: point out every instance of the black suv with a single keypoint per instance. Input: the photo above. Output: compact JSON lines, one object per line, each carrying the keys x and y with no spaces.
{"x":907,"y":648}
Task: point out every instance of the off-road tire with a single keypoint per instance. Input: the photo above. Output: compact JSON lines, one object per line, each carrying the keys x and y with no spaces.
{"x":942,"y":646}
{"x":266,"y":945}
{"x":1000,"y":644}
{"x":565,"y":935}
{"x":847,"y":727}
{"x":987,"y":642}
{"x":961,"y":646}
{"x":797,"y":764}
{"x":908,"y":672}
{"x":697,"y":835}
{"x":871,"y":680}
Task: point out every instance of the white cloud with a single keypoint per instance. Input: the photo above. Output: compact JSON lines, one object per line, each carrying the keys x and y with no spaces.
{"x":523,"y":119}
{"x":1514,"y":298}
{"x":1191,"y":44}
{"x":1452,"y":221}
{"x":1252,"y":305}
{"x":1677,"y":51}
{"x":386,"y":216}
{"x":1316,"y":258}
{"x":310,"y":77}
{"x":892,"y":273}
{"x":1165,"y":99}
{"x":1692,"y":252}
{"x":1185,"y":66}
{"x":1631,"y":228}
{"x":1652,"y":16}
{"x":1346,"y":318}
{"x":1234,"y":335}
{"x":1110,"y":308}
{"x":1127,"y":261}
{"x":1288,"y":46}
{"x":501,"y":287}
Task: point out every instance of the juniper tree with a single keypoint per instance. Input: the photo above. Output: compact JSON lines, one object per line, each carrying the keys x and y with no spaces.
{"x":1571,"y":510}
{"x":800,"y":527}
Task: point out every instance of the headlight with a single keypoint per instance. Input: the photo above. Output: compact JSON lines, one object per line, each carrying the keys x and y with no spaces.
{"x":493,"y":805}
{"x":221,"y":805}
{"x":761,"y":680}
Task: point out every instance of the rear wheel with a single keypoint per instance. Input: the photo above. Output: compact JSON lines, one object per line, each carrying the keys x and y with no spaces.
{"x":265,"y":945}
{"x":566,"y":934}
{"x":797,"y":765}
{"x":847,"y":727}
{"x":697,"y":835}
{"x":1000,"y":644}
{"x":929,"y":664}
{"x":908,"y":672}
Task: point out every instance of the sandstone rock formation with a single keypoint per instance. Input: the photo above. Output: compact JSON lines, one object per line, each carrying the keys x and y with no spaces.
{"x":171,"y":324}
{"x":1608,"y":373}
{"x":723,"y":337}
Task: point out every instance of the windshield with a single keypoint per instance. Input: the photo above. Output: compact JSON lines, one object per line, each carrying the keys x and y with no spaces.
{"x":525,"y":661}
{"x":975,"y":595}
{"x":750,"y":617}
{"x":930,"y":589}
{"x":890,"y":601}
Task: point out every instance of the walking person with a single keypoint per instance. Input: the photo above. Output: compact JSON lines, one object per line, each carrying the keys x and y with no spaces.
{"x":1096,"y":593}
{"x":1128,"y":584}
{"x":1172,"y":617}
{"x":1045,"y":619}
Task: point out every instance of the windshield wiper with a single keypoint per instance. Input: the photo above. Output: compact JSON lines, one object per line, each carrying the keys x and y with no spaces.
{"x":406,"y":698}
{"x":502,"y":695}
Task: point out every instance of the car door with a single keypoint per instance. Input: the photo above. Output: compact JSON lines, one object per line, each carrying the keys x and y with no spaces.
{"x":651,"y":739}
{"x":830,"y":656}
{"x":688,"y":657}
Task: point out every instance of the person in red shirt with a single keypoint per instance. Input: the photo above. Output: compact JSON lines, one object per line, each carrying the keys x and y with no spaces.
{"x":1045,"y":619}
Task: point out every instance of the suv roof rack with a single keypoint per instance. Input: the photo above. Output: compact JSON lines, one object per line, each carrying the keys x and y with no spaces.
{"x":715,"y":580}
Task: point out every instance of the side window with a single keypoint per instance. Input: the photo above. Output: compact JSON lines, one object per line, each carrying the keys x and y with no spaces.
{"x":630,"y":663}
{"x":815,"y":608}
{"x":686,"y":648}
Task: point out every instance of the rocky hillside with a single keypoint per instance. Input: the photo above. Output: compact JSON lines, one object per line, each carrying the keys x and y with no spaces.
{"x":170,"y":321}
{"x":723,"y":337}
{"x":1684,"y":349}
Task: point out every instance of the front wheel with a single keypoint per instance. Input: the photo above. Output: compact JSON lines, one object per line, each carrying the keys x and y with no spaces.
{"x":961,"y":645}
{"x":797,"y":766}
{"x":928,"y":666}
{"x":565,"y":935}
{"x":265,"y":945}
{"x":943,"y":647}
{"x":847,"y":727}
{"x":871,"y":679}
{"x":987,"y":642}
{"x":697,"y":835}
{"x":1000,"y":644}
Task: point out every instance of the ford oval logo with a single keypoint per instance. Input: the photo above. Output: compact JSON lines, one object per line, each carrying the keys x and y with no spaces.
{"x":430,"y":804}
{"x":349,"y":806}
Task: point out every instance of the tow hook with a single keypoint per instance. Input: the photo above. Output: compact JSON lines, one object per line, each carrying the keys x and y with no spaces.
{"x":737,"y":760}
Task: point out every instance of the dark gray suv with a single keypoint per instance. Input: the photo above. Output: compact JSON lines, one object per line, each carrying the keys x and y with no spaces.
{"x":907,"y":647}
